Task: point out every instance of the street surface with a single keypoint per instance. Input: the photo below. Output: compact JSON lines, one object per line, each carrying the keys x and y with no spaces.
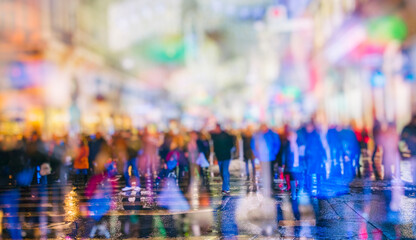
{"x":364,"y":210}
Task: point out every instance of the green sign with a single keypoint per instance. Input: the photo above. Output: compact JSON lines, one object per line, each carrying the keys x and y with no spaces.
{"x":387,"y":28}
{"x":166,"y":50}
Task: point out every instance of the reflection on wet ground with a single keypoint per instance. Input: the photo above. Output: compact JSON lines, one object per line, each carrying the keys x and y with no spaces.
{"x":364,"y":210}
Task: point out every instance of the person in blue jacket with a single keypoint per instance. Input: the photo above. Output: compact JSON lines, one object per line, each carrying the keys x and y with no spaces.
{"x":335,"y":147}
{"x":315,"y":156}
{"x":265,"y":145}
{"x":351,"y":153}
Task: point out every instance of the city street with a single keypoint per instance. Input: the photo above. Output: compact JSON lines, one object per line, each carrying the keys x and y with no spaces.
{"x":363,"y":211}
{"x":207,"y":119}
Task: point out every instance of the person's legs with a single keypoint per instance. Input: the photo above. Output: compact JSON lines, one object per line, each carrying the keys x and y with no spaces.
{"x":388,"y":173}
{"x":11,"y":199}
{"x":247,"y":168}
{"x":200,"y":172}
{"x":359,"y":166}
{"x":272,"y":163}
{"x":84,"y":176}
{"x":288,"y":181}
{"x":91,"y":167}
{"x":135,"y":171}
{"x":206,"y":174}
{"x":308,"y":181}
{"x":126,"y":173}
{"x":64,"y":173}
{"x":180,"y":174}
{"x":332,"y":167}
{"x":203,"y":171}
{"x":336,"y":162}
{"x":314,"y":184}
{"x":201,"y":175}
{"x":413,"y":168}
{"x":77,"y":177}
{"x":225,"y":175}
{"x":293,"y":189}
{"x":376,"y":169}
{"x":93,"y":231}
{"x":397,"y":169}
{"x":266,"y":178}
{"x":300,"y":178}
{"x":280,"y":177}
{"x":220,"y":166}
{"x":348,"y":168}
{"x":253,"y":165}
{"x":356,"y":169}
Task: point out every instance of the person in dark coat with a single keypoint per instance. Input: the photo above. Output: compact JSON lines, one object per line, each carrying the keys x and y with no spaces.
{"x":57,"y":161}
{"x":133,"y":149}
{"x":293,"y":167}
{"x":283,"y":134}
{"x":247,"y":136}
{"x":223,"y":144}
{"x":165,"y":147}
{"x":38,"y":156}
{"x":95,"y":146}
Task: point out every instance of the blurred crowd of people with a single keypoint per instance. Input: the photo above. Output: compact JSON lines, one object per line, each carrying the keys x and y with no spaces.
{"x":296,"y":160}
{"x":301,"y":156}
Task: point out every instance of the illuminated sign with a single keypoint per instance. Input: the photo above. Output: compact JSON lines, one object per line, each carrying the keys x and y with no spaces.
{"x":26,"y":74}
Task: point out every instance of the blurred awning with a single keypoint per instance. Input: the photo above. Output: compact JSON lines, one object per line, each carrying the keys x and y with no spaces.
{"x":358,"y":39}
{"x":349,"y":36}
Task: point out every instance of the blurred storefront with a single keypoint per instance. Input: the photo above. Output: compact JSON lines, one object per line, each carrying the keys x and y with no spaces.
{"x":86,"y":66}
{"x":46,"y":78}
{"x":359,"y":60}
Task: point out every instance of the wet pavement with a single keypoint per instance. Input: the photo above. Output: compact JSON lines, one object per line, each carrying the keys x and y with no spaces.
{"x":361,"y":209}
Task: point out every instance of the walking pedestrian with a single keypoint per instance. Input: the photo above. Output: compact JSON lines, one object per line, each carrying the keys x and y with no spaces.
{"x":315,"y":156}
{"x":223,"y":144}
{"x":388,"y":140}
{"x":134,"y":146}
{"x":247,"y":136}
{"x":81,"y":164}
{"x":335,"y":148}
{"x":95,"y":145}
{"x":37,"y":154}
{"x":265,"y":145}
{"x":293,"y":167}
{"x":351,"y":153}
{"x":204,"y":150}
